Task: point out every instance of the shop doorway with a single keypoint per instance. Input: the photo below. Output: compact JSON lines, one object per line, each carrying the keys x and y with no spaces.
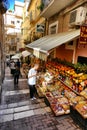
{"x":82,"y":60}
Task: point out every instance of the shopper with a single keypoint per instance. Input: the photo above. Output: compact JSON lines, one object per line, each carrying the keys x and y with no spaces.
{"x":12,"y":67}
{"x":32,"y":81}
{"x":16,"y":75}
{"x":18,"y":64}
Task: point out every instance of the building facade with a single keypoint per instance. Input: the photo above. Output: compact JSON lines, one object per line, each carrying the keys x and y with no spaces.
{"x":3,"y":9}
{"x":63,"y":20}
{"x":65,"y":16}
{"x":13,"y":21}
{"x":25,"y":25}
{"x":34,"y":24}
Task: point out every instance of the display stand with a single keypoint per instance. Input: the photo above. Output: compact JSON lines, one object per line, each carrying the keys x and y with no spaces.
{"x":69,"y":87}
{"x":78,"y":118}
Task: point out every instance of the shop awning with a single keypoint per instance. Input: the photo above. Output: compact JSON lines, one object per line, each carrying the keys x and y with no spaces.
{"x":16,"y":56}
{"x":26,"y":53}
{"x":49,"y":42}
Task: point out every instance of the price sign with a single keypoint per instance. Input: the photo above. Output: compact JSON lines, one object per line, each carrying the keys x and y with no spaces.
{"x":83,"y":34}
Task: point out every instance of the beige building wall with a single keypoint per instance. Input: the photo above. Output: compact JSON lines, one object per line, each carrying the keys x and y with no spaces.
{"x":64,"y":16}
{"x":36,"y":19}
{"x":63,"y":26}
{"x":13,"y":21}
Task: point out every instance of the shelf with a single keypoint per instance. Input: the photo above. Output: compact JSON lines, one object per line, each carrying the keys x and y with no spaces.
{"x":84,"y":116}
{"x":69,"y":87}
{"x":78,"y":118}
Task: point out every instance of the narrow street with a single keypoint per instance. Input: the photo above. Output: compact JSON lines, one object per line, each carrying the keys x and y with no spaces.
{"x":18,"y":112}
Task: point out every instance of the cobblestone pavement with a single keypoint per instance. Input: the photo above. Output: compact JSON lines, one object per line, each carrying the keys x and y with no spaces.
{"x":18,"y":112}
{"x":40,"y":122}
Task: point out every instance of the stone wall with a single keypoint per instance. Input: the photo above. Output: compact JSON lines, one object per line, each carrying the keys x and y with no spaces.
{"x":2,"y":58}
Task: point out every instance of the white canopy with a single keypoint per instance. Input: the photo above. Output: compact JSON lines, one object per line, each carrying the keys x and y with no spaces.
{"x":16,"y":56}
{"x":26,"y":53}
{"x":49,"y":42}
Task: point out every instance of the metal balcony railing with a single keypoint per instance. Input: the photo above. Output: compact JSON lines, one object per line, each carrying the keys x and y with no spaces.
{"x":46,"y":3}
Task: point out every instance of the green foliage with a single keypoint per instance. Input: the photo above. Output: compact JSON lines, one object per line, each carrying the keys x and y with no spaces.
{"x":79,"y":68}
{"x":64,"y":62}
{"x":41,"y":6}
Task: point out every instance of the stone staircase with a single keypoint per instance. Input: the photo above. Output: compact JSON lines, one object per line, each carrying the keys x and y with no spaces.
{"x":23,"y":109}
{"x":18,"y":112}
{"x":16,"y":103}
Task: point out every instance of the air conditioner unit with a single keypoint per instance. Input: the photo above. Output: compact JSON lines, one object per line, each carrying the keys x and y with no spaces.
{"x":78,"y":16}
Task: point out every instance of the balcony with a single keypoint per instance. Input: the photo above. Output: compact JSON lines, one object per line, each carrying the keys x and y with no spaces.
{"x":18,"y":15}
{"x":10,"y":26}
{"x":4,"y":5}
{"x":46,"y":2}
{"x":12,"y":44}
{"x":52,"y":7}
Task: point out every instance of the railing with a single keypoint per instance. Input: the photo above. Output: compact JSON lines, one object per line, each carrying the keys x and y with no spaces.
{"x":46,"y":3}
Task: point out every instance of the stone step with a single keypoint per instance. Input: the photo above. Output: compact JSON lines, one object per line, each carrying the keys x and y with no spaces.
{"x":19,"y":104}
{"x":16,"y":92}
{"x":10,"y":79}
{"x":13,"y":96}
{"x":22,"y":108}
{"x":18,"y":112}
{"x":23,"y":114}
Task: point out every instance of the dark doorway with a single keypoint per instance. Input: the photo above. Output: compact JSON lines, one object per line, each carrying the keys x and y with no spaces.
{"x":82,"y":60}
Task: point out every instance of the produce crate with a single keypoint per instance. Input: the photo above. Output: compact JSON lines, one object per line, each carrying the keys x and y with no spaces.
{"x":78,"y":118}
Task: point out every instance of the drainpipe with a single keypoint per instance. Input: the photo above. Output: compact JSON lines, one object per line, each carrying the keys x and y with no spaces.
{"x":46,"y":27}
{"x":74,"y":52}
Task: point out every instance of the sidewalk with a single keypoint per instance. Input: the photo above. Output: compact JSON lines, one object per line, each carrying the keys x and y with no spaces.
{"x":18,"y":112}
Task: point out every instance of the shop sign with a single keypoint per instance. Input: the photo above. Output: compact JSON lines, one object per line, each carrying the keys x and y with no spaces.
{"x":40,"y":28}
{"x":21,"y":49}
{"x":83,"y":34}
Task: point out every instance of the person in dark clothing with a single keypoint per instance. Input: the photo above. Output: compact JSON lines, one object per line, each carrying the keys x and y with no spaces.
{"x":16,"y":75}
{"x":12,"y":67}
{"x":18,"y":64}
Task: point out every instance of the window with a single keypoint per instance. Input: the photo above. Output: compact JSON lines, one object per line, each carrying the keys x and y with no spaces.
{"x":18,"y":21}
{"x":12,"y":22}
{"x":12,"y":40}
{"x":17,"y":39}
{"x":13,"y":48}
{"x":53,"y":28}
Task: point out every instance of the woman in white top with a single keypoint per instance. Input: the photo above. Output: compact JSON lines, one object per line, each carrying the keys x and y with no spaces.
{"x":32,"y":80}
